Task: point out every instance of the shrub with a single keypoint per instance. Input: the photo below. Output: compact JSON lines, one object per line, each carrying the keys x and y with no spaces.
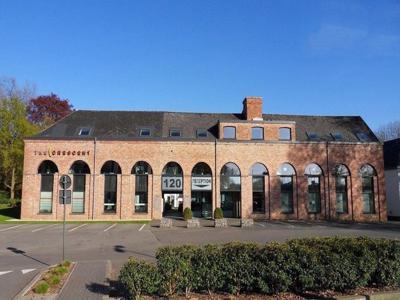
{"x":41,"y":288}
{"x":53,"y":280}
{"x":139,"y":278}
{"x":187,"y":214}
{"x":59,"y":270}
{"x":314,"y":264}
{"x":218,"y":213}
{"x":66,"y":264}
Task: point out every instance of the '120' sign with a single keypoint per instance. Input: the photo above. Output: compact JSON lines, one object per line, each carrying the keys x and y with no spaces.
{"x":172,"y":183}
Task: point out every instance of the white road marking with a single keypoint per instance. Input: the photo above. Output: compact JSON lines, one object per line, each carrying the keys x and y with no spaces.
{"x":109,"y":227}
{"x":140,"y":229}
{"x":260,"y":224}
{"x":25,"y":271}
{"x":5,"y":272}
{"x":44,"y":227}
{"x":12,"y":227}
{"x":77,"y":227}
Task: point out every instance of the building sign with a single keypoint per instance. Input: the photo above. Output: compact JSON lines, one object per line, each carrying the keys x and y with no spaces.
{"x":172,"y":183}
{"x":51,"y":153}
{"x":201,"y":183}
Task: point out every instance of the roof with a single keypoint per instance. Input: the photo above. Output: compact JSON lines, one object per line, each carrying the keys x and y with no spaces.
{"x":126,"y":125}
{"x":391,"y":150}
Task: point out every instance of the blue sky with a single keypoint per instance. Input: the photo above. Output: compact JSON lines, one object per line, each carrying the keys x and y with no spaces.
{"x":304,"y":57}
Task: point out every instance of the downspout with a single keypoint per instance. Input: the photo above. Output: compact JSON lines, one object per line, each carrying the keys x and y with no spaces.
{"x":94,"y":175}
{"x":215,"y":174}
{"x":329,"y":185}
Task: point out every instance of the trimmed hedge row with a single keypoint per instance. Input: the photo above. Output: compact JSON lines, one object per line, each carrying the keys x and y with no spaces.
{"x":313,"y":264}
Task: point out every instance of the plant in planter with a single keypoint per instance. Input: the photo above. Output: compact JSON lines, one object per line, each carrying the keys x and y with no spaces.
{"x":219,"y":220}
{"x":188,"y":217}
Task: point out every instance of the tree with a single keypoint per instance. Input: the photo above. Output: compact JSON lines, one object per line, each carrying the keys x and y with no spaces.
{"x":10,"y":89}
{"x":46,"y":110}
{"x":14,"y":126}
{"x":389,"y":131}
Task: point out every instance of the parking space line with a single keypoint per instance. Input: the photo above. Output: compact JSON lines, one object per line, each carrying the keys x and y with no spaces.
{"x":109,"y":227}
{"x":77,"y":227}
{"x":260,"y":224}
{"x":12,"y":227}
{"x":140,"y":229}
{"x":44,"y":227}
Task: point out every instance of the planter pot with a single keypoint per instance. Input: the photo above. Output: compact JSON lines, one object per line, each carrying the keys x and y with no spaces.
{"x":193,"y":223}
{"x":220,"y":223}
{"x":246,"y":222}
{"x":165,"y":223}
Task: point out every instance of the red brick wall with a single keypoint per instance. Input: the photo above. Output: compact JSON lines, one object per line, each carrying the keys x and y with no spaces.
{"x":188,"y":154}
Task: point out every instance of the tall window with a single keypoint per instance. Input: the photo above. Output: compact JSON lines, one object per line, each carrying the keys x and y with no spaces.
{"x":110,"y":170}
{"x":257,"y":133}
{"x":367,"y":174}
{"x":201,"y":190}
{"x":286,"y":173}
{"x":142,"y":170}
{"x":258,"y":173}
{"x":230,"y":190}
{"x":172,"y":189}
{"x":341,"y":174}
{"x":79,"y":169}
{"x":314,"y":174}
{"x":285,"y":134}
{"x":229,"y":132}
{"x":47,"y":169}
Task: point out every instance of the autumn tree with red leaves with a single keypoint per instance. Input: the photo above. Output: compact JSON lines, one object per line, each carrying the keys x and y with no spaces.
{"x":48,"y":109}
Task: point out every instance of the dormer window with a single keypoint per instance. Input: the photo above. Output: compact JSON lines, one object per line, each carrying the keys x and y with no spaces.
{"x":84,"y":131}
{"x":285,"y":134}
{"x":201,"y":133}
{"x":362,"y":137}
{"x":312,"y":136}
{"x":257,"y":133}
{"x":174,"y":132}
{"x":230,"y":132}
{"x":145,"y":132}
{"x":337,"y":136}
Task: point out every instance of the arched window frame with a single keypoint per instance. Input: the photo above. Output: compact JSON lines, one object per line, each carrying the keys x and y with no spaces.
{"x":141,"y":170}
{"x":287,"y":175}
{"x":110,"y":170}
{"x":314,"y":175}
{"x":342,"y":174}
{"x":368,"y":174}
{"x":46,"y":169}
{"x":79,"y":169}
{"x":258,"y":173}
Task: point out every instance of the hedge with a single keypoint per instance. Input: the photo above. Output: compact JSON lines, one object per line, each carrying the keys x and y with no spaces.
{"x":313,"y":264}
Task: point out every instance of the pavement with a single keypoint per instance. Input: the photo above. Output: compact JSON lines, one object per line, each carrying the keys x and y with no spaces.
{"x":100,"y":249}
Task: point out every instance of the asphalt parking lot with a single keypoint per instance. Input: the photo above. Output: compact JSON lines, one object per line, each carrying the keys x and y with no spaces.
{"x":25,"y":249}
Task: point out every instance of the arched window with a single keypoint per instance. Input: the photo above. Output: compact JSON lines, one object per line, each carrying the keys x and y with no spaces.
{"x":367,"y":173}
{"x":286,"y":173}
{"x":46,"y":169}
{"x":258,"y":173}
{"x":314,"y":174}
{"x":110,"y":170}
{"x":341,"y":173}
{"x":172,"y":187}
{"x":201,"y":190}
{"x":141,"y":170}
{"x":79,"y":169}
{"x":230,"y":190}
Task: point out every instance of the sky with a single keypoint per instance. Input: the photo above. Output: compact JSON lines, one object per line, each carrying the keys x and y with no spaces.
{"x":303,"y":57}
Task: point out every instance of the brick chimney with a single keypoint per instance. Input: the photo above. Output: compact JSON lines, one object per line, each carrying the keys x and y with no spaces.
{"x":252,"y":108}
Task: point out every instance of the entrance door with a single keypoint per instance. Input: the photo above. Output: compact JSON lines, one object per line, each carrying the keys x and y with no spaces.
{"x":230,"y":204}
{"x":202,"y":204}
{"x":173,"y":204}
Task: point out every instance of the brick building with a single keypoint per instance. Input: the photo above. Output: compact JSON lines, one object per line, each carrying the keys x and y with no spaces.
{"x":143,"y":165}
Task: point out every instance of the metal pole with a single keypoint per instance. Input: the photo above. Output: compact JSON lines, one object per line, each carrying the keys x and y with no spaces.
{"x":63,"y":252}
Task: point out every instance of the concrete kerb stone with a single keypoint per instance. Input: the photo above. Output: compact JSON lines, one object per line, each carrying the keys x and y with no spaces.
{"x":355,"y":297}
{"x":193,"y":223}
{"x":220,"y":223}
{"x":166,"y":223}
{"x":246,"y":222}
{"x":384,"y":296}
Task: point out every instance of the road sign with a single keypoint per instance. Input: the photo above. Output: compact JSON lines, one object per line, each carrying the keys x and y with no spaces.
{"x":65,"y":197}
{"x":65,"y":182}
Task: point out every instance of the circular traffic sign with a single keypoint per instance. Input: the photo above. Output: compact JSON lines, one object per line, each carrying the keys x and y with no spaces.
{"x":65,"y":181}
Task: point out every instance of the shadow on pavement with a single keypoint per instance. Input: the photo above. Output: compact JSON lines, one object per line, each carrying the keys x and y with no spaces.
{"x":23,"y":253}
{"x":122,"y":249}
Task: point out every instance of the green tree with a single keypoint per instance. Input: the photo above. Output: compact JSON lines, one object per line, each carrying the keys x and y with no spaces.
{"x":14,"y":127}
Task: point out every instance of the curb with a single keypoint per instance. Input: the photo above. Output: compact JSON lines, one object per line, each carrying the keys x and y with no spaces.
{"x":29,"y":286}
{"x":374,"y":296}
